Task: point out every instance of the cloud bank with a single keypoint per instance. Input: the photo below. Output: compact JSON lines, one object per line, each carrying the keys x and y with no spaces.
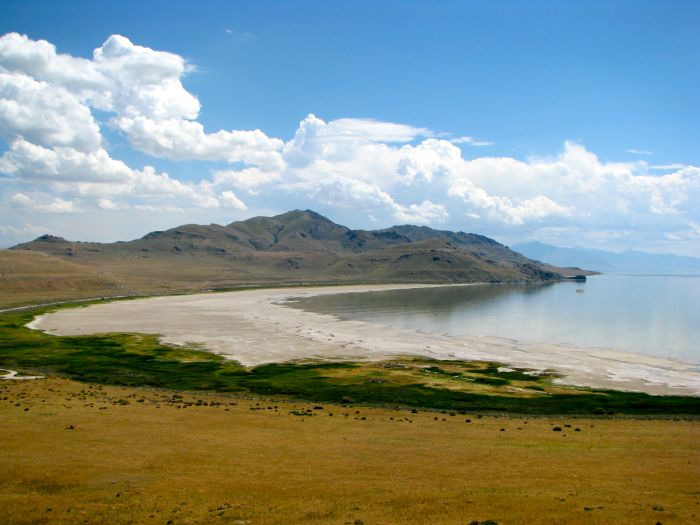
{"x":56,"y":111}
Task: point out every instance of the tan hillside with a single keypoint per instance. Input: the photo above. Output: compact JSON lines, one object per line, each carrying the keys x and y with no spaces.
{"x":35,"y":277}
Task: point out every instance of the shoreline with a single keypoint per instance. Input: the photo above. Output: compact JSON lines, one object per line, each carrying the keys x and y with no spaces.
{"x":257,"y":327}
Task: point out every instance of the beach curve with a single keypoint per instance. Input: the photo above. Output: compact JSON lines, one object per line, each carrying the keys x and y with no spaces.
{"x":255,"y":327}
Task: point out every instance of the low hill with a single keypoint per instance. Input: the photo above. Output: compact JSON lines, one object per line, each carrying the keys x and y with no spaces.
{"x":292,"y":248}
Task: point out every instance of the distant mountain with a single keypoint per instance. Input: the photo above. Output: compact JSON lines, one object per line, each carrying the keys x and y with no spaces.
{"x":298,"y":246}
{"x":606,"y":261}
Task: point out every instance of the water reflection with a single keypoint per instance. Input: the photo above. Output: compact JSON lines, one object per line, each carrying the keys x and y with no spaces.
{"x":651,"y":314}
{"x":431,"y":301}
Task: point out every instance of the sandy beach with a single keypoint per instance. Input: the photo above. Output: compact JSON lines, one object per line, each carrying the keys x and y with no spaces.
{"x":255,"y":327}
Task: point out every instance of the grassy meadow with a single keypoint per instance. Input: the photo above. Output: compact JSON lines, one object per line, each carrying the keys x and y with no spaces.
{"x":86,"y":453}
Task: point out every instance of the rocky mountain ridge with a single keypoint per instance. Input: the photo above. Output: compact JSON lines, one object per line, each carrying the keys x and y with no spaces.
{"x":299,"y":246}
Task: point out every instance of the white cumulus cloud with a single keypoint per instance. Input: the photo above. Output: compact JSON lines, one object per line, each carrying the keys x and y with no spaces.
{"x":45,"y":114}
{"x":228,"y":199}
{"x":139,"y":86}
{"x":424,"y":213}
{"x":56,"y":160}
{"x":47,"y":205}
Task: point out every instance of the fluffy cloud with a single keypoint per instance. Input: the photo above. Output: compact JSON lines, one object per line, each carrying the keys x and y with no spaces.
{"x":46,"y":102}
{"x":246,"y":179}
{"x":98,"y":180}
{"x":56,"y":205}
{"x":141,"y":87}
{"x":31,"y":162}
{"x":228,"y":199}
{"x":503,"y":208}
{"x":341,"y":140}
{"x":38,"y":59}
{"x":571,"y":192}
{"x":180,"y":139}
{"x":424,"y":213}
{"x":575,"y":184}
{"x":45,"y":114}
{"x":432,"y":159}
{"x":57,"y":162}
{"x":142,"y":81}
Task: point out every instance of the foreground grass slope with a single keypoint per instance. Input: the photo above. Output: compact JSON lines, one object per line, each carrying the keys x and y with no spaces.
{"x":79,"y":453}
{"x":140,"y":360}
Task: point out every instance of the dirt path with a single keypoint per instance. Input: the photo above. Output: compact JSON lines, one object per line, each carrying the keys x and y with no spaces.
{"x":13,"y":374}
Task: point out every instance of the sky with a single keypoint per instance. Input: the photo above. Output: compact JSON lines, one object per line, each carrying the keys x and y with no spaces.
{"x":570,"y":123}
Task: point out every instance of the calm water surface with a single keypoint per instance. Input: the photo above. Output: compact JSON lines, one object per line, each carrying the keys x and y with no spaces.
{"x":652,"y":314}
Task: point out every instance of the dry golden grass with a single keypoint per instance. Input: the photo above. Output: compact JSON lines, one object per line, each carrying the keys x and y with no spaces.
{"x":31,"y":277}
{"x":73,"y":453}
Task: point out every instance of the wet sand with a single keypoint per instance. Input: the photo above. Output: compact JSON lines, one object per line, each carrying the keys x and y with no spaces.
{"x":255,"y":327}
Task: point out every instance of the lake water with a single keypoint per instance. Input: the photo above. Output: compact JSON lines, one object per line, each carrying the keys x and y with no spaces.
{"x":652,"y":314}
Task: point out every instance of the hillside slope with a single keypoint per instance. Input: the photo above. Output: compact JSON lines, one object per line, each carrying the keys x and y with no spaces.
{"x":292,"y":248}
{"x":32,"y":277}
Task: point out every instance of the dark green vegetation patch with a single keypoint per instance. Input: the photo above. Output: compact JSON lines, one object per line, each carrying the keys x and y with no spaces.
{"x":140,"y":360}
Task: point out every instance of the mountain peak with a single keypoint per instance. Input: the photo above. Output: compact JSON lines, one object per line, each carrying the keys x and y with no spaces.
{"x":298,"y":214}
{"x":49,"y":238}
{"x":301,"y":246}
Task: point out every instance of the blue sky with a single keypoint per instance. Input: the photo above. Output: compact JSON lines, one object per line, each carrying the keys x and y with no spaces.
{"x":581,"y":119}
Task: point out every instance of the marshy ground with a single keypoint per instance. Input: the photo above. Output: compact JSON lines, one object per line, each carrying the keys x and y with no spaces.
{"x":142,"y":360}
{"x":80,"y":453}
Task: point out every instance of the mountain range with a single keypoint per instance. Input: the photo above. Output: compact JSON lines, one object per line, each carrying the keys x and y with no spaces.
{"x":292,"y":248}
{"x":611,"y":262}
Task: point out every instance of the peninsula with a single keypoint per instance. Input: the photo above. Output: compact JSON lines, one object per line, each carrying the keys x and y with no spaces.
{"x":297,"y":247}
